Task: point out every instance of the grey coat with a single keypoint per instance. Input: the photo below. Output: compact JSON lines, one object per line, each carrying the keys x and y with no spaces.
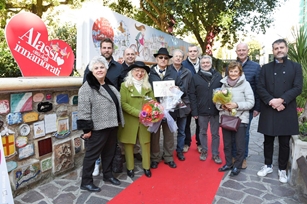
{"x":243,"y":95}
{"x":96,"y":109}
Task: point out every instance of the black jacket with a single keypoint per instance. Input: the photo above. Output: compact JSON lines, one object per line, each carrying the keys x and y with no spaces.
{"x":200,"y":92}
{"x":114,"y":73}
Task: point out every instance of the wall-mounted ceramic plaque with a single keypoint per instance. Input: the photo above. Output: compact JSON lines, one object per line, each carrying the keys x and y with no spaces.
{"x":24,"y":129}
{"x":21,"y":141}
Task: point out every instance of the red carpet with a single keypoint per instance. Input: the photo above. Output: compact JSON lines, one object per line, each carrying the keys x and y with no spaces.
{"x":193,"y":181}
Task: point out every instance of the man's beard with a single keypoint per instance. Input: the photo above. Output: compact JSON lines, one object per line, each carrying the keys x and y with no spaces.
{"x":107,"y":58}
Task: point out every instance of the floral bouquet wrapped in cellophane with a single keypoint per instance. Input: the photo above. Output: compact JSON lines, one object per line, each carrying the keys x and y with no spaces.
{"x":223,"y":96}
{"x":152,"y":112}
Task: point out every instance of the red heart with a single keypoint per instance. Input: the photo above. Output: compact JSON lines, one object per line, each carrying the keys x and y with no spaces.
{"x":27,"y":37}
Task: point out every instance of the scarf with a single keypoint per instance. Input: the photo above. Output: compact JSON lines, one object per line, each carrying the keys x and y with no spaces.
{"x":231,"y":82}
{"x":138,"y":84}
{"x":196,"y":65}
{"x":206,"y":73}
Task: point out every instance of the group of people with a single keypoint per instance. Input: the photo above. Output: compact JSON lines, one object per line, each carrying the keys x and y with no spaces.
{"x":112,"y":96}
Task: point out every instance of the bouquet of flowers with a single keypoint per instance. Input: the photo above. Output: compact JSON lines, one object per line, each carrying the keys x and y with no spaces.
{"x":152,"y":112}
{"x":223,"y":96}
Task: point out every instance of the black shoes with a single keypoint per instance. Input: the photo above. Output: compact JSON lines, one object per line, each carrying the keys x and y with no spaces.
{"x":138,"y":156}
{"x":225,"y":168}
{"x":147,"y":173}
{"x":154,"y":165}
{"x":113,"y":180}
{"x":130,"y":173}
{"x":180,"y":156}
{"x":171,"y":164}
{"x":234,"y":172}
{"x":90,"y":188}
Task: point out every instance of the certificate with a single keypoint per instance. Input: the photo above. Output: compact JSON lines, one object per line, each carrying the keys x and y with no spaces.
{"x":162,"y":88}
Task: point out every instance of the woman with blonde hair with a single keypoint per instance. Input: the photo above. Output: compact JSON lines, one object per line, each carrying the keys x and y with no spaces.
{"x":135,"y":92}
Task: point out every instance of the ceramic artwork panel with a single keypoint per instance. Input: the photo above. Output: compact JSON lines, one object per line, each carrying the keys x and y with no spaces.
{"x":74,"y":118}
{"x":21,"y":102}
{"x":4,"y":106}
{"x":63,"y":157}
{"x":63,"y":125}
{"x":26,"y":151}
{"x":21,"y":141}
{"x":62,"y":98}
{"x":50,"y":123}
{"x":38,"y":97}
{"x":27,"y":174}
{"x":8,"y":143}
{"x":13,"y":118}
{"x":44,"y":146}
{"x":78,"y":143}
{"x":46,"y":164}
{"x":39,"y":129}
{"x":30,"y":117}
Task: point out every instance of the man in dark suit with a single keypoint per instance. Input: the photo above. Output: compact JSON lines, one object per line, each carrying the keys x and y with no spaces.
{"x":280,"y":82}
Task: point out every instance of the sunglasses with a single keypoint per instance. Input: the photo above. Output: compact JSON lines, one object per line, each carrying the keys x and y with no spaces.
{"x":161,"y":57}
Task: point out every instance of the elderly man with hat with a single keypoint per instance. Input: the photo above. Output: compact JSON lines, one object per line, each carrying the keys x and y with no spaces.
{"x":134,"y":91}
{"x":162,"y":72}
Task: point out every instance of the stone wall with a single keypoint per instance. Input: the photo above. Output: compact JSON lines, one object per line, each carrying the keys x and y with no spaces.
{"x":39,"y":132}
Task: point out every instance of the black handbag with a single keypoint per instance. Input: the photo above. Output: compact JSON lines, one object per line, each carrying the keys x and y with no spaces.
{"x":231,"y":123}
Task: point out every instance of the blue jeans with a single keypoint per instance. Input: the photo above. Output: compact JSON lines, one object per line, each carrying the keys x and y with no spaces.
{"x":234,"y":149}
{"x":181,"y":122}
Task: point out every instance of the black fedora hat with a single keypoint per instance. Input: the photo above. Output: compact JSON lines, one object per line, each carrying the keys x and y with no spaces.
{"x":163,"y":51}
{"x":139,"y":64}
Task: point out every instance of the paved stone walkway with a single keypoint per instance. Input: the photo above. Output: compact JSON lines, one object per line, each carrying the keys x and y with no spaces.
{"x":247,"y":187}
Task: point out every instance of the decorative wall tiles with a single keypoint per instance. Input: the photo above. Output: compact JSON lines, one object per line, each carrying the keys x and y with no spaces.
{"x":13,"y":118}
{"x":11,"y":165}
{"x":74,"y":100}
{"x":8,"y":143}
{"x":38,"y":97}
{"x":78,"y":144}
{"x":44,"y":146}
{"x":44,"y":106}
{"x":48,"y":96}
{"x":62,"y":98}
{"x":46,"y":164}
{"x":26,"y":151}
{"x":50,"y":123}
{"x":63,"y":158}
{"x":21,"y":141}
{"x":24,"y":129}
{"x":25,"y":175}
{"x":74,"y":118}
{"x":21,"y":102}
{"x":39,"y":129}
{"x":30,"y":117}
{"x":4,"y":106}
{"x":62,"y":128}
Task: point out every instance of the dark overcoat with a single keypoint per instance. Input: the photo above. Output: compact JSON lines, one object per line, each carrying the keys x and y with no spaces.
{"x":279,"y":80}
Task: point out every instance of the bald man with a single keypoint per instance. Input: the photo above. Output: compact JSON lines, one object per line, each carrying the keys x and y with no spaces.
{"x":251,"y":71}
{"x":129,"y":58}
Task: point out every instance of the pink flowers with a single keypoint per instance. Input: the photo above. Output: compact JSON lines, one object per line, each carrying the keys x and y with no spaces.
{"x":152,"y":112}
{"x":299,"y":111}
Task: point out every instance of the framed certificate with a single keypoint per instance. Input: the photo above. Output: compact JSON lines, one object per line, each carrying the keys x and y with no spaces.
{"x":162,"y":88}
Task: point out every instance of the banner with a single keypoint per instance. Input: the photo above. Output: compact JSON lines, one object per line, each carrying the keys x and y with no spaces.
{"x":125,"y":32}
{"x":5,"y":187}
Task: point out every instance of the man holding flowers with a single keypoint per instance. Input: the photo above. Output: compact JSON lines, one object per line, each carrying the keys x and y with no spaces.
{"x":162,"y":72}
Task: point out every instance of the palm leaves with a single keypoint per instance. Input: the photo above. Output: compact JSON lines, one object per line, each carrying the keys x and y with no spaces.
{"x":298,"y":53}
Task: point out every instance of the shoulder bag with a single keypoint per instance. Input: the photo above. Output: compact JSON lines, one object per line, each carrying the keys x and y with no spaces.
{"x":231,"y":123}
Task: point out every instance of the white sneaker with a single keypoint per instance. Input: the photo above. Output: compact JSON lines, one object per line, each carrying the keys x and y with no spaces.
{"x":282,"y":176}
{"x":96,"y":170}
{"x":265,"y":170}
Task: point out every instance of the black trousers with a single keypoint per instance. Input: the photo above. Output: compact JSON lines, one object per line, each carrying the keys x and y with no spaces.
{"x":187,"y":131}
{"x":101,"y":143}
{"x":239,"y":137}
{"x":283,"y":153}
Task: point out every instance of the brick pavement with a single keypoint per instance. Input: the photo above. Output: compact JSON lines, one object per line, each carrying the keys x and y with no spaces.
{"x":247,"y":187}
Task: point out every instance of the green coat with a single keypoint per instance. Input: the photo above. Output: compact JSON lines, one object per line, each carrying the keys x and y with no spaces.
{"x":132,"y":102}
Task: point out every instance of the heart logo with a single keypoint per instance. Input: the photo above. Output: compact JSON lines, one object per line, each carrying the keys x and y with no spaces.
{"x":27,"y":37}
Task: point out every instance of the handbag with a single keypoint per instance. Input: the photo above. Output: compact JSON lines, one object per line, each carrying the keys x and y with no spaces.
{"x":231,"y":123}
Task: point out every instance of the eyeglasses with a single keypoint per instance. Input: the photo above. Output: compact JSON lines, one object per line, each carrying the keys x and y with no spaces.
{"x":161,"y":57}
